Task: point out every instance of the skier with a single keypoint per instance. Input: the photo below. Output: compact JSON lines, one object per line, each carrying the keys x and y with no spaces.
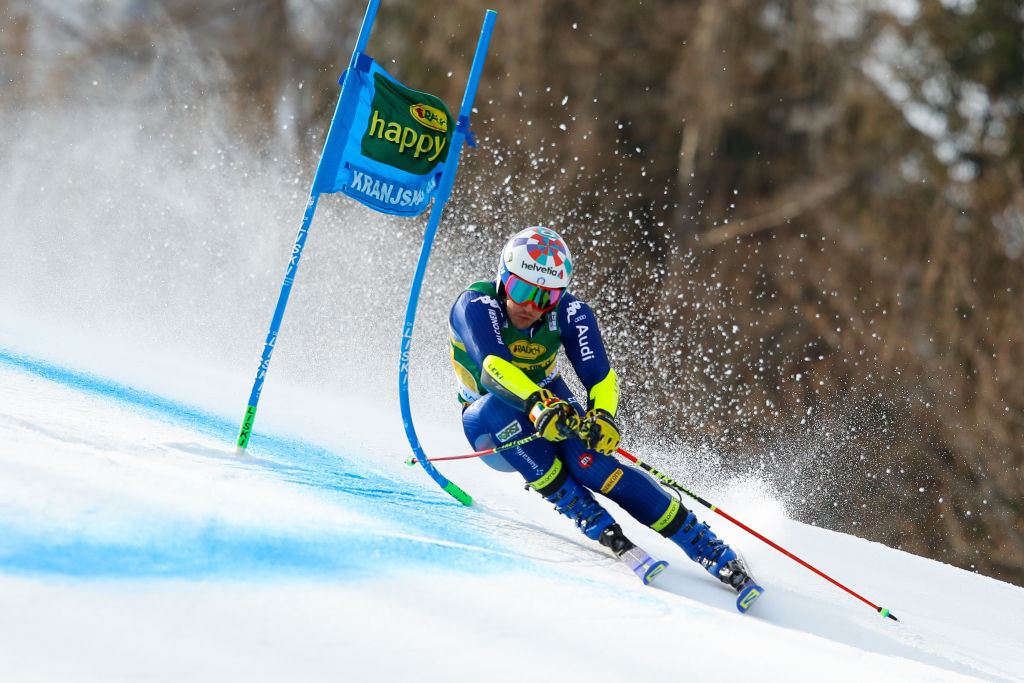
{"x":505,"y":336}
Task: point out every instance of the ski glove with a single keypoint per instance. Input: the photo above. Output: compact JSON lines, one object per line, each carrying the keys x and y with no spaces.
{"x":553,"y":418}
{"x":599,"y":431}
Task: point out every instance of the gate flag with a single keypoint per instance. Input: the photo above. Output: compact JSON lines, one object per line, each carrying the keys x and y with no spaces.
{"x":396,"y":150}
{"x":387,"y":144}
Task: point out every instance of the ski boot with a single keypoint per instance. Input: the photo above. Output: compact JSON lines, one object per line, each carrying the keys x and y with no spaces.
{"x":635,"y":557}
{"x":703,"y":547}
{"x":577,"y":503}
{"x":572,"y":500}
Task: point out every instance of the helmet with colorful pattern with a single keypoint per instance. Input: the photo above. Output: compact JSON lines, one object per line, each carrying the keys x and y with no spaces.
{"x":535,"y":267}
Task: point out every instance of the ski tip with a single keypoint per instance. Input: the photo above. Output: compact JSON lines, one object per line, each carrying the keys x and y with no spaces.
{"x":748,"y":596}
{"x":653,"y":570}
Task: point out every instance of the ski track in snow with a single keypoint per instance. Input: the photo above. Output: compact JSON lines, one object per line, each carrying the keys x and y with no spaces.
{"x":106,"y":485}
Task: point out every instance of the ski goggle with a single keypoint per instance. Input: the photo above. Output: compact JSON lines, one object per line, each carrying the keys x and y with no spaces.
{"x":523,"y":292}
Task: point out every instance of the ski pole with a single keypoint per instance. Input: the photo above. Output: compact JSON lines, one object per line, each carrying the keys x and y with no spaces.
{"x":411,"y":460}
{"x":679,"y":487}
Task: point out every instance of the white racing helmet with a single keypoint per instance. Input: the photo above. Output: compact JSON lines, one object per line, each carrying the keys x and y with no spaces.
{"x":535,"y":267}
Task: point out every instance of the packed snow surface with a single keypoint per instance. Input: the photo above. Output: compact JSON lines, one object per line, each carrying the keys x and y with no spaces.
{"x":137,"y":544}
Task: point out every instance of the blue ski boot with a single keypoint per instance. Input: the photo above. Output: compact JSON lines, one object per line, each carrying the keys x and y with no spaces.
{"x":578,"y":504}
{"x":572,"y":500}
{"x":702,"y":546}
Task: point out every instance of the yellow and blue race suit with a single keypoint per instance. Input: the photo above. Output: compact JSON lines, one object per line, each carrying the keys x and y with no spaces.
{"x":499,"y":366}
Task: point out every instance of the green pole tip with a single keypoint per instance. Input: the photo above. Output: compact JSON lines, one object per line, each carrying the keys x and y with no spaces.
{"x":886,"y":613}
{"x":410,"y":461}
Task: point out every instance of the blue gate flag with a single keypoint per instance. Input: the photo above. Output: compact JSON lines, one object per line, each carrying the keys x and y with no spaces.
{"x":387,"y":145}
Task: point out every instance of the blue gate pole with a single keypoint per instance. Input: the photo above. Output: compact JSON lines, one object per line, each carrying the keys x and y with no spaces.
{"x":245,"y":431}
{"x":444,"y":191}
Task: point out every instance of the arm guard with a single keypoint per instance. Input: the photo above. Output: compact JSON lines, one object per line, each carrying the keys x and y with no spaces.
{"x":508,"y":382}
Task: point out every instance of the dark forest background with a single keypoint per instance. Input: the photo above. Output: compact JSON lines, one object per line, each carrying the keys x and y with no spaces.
{"x":802,"y":221}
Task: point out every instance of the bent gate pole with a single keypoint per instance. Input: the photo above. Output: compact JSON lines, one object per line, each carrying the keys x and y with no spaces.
{"x":444,"y":191}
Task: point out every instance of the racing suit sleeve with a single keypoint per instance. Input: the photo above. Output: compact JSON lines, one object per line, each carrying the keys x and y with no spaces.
{"x":584,"y":348}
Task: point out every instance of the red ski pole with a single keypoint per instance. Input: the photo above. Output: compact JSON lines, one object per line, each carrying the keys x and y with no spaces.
{"x":497,"y":449}
{"x":679,"y":487}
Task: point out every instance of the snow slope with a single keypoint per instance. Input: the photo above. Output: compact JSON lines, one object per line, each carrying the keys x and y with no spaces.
{"x":142,"y":243}
{"x":135,"y":544}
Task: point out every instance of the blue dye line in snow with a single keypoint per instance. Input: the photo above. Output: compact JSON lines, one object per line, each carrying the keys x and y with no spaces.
{"x":184,"y":548}
{"x":171,"y":411}
{"x":231,"y":553}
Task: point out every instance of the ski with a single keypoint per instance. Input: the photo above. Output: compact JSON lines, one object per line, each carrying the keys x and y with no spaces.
{"x":647,"y":568}
{"x":632,"y":555}
{"x":642,"y":564}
